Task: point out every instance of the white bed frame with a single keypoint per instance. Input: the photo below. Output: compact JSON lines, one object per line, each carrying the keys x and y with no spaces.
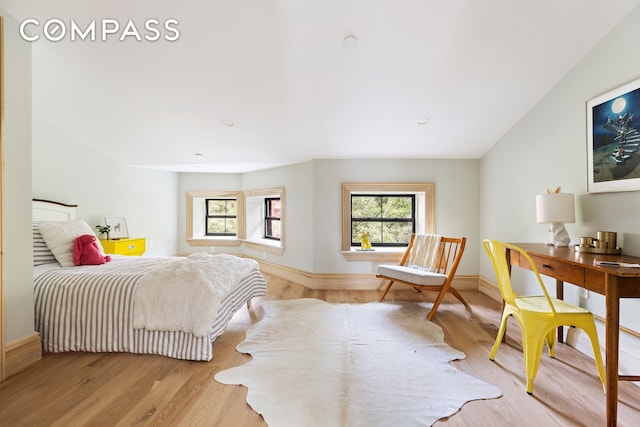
{"x":47,"y":210}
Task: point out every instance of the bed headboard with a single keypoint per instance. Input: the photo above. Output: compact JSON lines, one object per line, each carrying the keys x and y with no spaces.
{"x":47,"y":210}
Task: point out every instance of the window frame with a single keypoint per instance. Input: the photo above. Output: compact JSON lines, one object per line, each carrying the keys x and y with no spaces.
{"x":225,"y":217}
{"x":194,"y":219}
{"x":253,"y":239}
{"x":268,"y":218}
{"x":382,"y":219}
{"x":425,"y":222}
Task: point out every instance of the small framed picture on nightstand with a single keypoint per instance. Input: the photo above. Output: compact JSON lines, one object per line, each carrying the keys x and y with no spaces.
{"x":118,"y":227}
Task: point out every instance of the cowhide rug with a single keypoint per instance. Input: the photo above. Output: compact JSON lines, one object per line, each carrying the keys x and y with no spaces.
{"x":374,"y":364}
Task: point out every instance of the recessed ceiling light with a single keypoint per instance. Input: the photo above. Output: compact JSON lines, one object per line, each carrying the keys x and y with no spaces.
{"x":228,"y":123}
{"x":350,"y":41}
{"x":199,"y":155}
{"x":423,"y":121}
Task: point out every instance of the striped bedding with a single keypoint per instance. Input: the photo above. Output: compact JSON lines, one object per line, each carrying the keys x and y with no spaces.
{"x":90,"y":308}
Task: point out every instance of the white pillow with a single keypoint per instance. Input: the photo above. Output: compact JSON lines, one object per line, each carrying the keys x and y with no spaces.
{"x":60,"y":236}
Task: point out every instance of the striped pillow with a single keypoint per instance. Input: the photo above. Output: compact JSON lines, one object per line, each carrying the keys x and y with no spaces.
{"x":41,"y":252}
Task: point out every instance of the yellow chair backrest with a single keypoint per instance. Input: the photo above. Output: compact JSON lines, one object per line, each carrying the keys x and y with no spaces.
{"x":497,"y":252}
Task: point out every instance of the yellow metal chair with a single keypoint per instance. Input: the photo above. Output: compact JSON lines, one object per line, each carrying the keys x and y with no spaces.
{"x":538,"y":316}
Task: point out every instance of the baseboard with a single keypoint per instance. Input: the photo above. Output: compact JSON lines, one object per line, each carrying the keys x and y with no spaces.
{"x":22,"y":353}
{"x":345,"y":281}
{"x":489,"y":288}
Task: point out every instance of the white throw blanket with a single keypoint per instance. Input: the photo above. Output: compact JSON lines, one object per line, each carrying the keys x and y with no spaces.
{"x":185,"y":294}
{"x":424,"y":253}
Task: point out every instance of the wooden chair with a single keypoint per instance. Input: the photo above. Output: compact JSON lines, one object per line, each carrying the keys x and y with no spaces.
{"x":537,"y":315}
{"x":432,"y":269}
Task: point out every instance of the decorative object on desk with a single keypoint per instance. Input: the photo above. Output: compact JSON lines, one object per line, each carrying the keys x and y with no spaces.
{"x":556,"y":208}
{"x":104,"y":230}
{"x":613,"y":160}
{"x":118,"y":227}
{"x":606,"y":240}
{"x":365,"y":243}
{"x":605,"y":243}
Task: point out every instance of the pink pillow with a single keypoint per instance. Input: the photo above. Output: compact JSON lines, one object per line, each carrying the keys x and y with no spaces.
{"x":87,"y":252}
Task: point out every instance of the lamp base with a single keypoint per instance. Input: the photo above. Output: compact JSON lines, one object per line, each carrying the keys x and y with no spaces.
{"x":558,"y":235}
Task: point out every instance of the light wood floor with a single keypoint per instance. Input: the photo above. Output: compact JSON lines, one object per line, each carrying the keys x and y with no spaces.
{"x":77,"y":389}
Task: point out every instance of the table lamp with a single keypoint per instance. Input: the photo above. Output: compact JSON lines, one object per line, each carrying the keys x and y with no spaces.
{"x":555,"y":209}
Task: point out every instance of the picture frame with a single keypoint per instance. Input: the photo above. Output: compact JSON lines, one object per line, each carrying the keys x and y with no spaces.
{"x":118,"y":226}
{"x":613,"y":141}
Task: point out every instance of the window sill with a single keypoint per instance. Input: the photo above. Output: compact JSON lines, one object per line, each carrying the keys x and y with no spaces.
{"x":378,"y":255}
{"x":273,"y":247}
{"x":214,"y":242}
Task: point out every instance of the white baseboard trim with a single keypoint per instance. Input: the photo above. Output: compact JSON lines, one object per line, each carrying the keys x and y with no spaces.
{"x":346,"y":281}
{"x":489,"y":288}
{"x":22,"y":353}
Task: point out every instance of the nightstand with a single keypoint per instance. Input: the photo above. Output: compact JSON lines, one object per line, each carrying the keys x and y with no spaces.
{"x":130,"y":247}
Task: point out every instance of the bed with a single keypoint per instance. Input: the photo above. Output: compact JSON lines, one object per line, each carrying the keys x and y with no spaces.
{"x":99,"y":308}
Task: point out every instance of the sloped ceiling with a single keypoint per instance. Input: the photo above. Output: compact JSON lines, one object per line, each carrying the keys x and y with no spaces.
{"x":253,"y":84}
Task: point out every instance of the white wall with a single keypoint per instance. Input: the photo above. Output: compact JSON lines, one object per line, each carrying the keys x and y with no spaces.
{"x":456,"y":204}
{"x":17,"y":248}
{"x":66,"y":170}
{"x":313,"y":223}
{"x":547,"y":148}
{"x":297,"y":181}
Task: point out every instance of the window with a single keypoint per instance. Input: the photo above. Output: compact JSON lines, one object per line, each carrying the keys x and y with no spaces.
{"x":390,"y":212}
{"x":221,"y":217}
{"x":389,"y":219}
{"x":272,"y":218}
{"x":265,"y":220}
{"x":214,"y":218}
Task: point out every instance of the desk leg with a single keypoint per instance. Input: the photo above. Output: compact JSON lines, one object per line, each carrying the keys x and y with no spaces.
{"x":560,"y":295}
{"x":612,"y":294}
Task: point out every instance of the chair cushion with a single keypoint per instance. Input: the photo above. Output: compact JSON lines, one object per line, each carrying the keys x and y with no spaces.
{"x":413,"y":275}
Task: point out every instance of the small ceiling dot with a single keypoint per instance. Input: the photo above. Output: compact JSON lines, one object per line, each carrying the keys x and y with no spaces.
{"x":228,"y":123}
{"x":350,"y":41}
{"x":423,"y":121}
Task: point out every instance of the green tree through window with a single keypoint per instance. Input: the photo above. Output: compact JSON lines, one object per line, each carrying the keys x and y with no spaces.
{"x":221,"y":217}
{"x":388,"y":218}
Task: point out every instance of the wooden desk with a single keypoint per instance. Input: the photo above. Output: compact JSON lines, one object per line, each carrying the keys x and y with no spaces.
{"x":578,"y":268}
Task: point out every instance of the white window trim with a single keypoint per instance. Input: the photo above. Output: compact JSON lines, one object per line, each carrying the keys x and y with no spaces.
{"x":425,"y":221}
{"x":202,"y":240}
{"x":276,"y":247}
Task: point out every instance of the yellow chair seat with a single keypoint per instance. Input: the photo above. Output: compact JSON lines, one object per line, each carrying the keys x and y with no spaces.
{"x":538,"y":316}
{"x":540,"y":304}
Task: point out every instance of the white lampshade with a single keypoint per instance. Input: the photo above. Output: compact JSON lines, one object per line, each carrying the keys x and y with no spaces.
{"x":555,"y":207}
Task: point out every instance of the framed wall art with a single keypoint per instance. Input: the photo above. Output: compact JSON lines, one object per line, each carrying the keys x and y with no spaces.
{"x":613,"y":140}
{"x":118,"y":227}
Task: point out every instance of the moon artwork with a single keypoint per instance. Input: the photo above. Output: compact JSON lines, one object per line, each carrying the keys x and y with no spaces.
{"x":618,"y":105}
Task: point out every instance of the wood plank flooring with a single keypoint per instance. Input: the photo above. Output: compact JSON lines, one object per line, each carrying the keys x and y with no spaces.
{"x":96,"y":389}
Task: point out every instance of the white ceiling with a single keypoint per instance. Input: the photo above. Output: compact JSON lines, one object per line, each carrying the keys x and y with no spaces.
{"x":279,"y":71}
